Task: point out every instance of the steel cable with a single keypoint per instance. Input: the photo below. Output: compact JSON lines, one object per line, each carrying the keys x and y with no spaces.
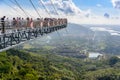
{"x":35,"y":8}
{"x":45,"y":8}
{"x":14,"y":9}
{"x":22,"y":8}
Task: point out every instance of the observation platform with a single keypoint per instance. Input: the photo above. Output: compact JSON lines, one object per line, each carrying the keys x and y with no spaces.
{"x":17,"y":35}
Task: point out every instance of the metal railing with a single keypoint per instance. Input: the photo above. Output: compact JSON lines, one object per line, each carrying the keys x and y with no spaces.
{"x":11,"y":25}
{"x":20,"y":35}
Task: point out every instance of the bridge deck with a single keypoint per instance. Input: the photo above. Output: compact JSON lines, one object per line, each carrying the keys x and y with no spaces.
{"x":14,"y":37}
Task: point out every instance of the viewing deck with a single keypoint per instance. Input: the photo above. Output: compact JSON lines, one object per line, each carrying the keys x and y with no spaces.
{"x":17,"y":35}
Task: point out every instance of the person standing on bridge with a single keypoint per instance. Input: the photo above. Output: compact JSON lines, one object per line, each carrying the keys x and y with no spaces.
{"x":14,"y":23}
{"x":23,"y":23}
{"x":31,"y":23}
{"x":8,"y":24}
{"x":28,"y":22}
{"x":19,"y":23}
{"x":3,"y":24}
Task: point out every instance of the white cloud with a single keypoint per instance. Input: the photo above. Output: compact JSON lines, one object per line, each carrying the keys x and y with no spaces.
{"x":106,"y":15}
{"x":67,"y":7}
{"x":99,"y":5}
{"x":93,"y":20}
{"x":116,"y":4}
{"x":74,"y":14}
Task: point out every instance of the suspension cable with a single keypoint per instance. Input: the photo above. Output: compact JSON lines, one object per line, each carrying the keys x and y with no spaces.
{"x":13,"y":2}
{"x":54,"y":7}
{"x":50,"y":16}
{"x":57,"y":13}
{"x":21,"y":8}
{"x":14,"y":9}
{"x":35,"y":8}
{"x":58,"y":16}
{"x":45,"y":8}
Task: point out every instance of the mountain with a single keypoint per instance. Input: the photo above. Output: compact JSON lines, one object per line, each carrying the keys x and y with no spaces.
{"x":23,"y":65}
{"x":52,"y":58}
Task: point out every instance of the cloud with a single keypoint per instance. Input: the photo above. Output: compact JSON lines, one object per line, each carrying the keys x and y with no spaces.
{"x":106,"y":15}
{"x":99,"y":5}
{"x":116,"y":4}
{"x":67,"y":7}
{"x":64,"y":7}
{"x":93,"y":20}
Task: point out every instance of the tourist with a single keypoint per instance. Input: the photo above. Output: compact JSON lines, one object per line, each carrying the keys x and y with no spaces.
{"x":3,"y":24}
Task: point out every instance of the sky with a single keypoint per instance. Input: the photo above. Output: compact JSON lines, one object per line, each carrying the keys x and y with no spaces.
{"x":99,"y":7}
{"x":77,"y":11}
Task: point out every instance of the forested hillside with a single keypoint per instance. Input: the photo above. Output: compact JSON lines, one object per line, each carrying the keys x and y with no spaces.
{"x":21,"y":65}
{"x":63,"y":57}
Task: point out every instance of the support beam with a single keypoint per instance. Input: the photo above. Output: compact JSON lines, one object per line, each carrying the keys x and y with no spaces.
{"x":12,"y":39}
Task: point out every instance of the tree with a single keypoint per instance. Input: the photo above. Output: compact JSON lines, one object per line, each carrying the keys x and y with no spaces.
{"x":113,"y":60}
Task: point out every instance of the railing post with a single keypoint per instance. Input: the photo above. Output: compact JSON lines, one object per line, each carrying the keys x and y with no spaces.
{"x":4,"y":41}
{"x":11,"y":41}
